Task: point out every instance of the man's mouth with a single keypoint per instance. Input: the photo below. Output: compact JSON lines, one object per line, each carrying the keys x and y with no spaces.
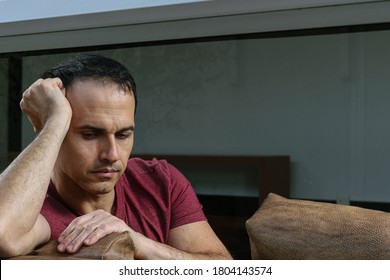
{"x":106,"y":170}
{"x":106,"y":173}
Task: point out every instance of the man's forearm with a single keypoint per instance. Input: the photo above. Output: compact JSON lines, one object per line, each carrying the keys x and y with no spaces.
{"x":24,"y":183}
{"x":151,"y":250}
{"x":166,"y":252}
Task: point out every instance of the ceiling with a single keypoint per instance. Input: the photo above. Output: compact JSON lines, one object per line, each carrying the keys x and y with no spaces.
{"x":59,"y":24}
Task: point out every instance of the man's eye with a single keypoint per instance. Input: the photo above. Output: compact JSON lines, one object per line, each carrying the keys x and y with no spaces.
{"x":89,"y":135}
{"x":123,"y":136}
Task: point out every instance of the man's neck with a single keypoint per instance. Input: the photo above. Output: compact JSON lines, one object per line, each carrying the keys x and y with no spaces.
{"x":81,"y":201}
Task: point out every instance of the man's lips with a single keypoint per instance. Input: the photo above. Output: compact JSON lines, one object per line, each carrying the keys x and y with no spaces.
{"x":106,"y":173}
{"x":106,"y":170}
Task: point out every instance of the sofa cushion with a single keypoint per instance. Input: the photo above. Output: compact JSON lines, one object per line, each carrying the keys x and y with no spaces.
{"x":298,"y":229}
{"x":115,"y":246}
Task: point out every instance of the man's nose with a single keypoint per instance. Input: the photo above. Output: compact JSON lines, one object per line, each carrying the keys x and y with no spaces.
{"x":109,"y":151}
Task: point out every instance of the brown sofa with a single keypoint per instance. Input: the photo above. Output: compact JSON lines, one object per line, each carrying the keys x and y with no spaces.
{"x":296,"y":229}
{"x":112,"y":247}
{"x":280,"y":229}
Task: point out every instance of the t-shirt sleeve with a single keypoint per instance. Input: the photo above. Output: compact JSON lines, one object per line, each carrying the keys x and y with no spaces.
{"x":186,"y":207}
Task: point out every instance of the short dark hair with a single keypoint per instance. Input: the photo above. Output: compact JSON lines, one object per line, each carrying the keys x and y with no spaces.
{"x":96,"y":67}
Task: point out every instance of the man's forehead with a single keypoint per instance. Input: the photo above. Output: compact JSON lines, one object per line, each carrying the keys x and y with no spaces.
{"x":102,"y":82}
{"x":90,"y":92}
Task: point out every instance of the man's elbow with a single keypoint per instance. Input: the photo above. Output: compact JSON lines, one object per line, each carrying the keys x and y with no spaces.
{"x":224,"y":256}
{"x":9,"y":249}
{"x":11,"y":246}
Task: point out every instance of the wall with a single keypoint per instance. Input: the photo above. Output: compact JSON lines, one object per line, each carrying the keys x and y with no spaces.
{"x":320,"y":99}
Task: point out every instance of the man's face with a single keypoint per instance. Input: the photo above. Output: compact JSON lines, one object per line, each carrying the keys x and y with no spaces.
{"x":96,"y":149}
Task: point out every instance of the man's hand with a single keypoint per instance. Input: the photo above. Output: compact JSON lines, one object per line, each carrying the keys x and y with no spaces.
{"x":88,"y":229}
{"x":45,"y":101}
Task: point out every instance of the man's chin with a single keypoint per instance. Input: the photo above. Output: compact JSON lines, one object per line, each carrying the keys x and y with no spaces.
{"x":103,"y":185}
{"x":103,"y":188}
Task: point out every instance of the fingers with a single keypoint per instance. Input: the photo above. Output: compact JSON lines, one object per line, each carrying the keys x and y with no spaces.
{"x":58,"y":82}
{"x":88,"y":229}
{"x":46,"y":100}
{"x":82,"y":236}
{"x":74,"y":241}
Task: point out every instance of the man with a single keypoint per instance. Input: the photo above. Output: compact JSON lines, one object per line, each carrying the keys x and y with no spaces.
{"x":75,"y":182}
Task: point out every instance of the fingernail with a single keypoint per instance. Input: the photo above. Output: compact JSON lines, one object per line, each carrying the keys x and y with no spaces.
{"x":70,"y":248}
{"x":61,"y":247}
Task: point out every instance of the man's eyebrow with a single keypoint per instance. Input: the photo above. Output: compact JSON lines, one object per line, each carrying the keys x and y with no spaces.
{"x":99,"y":129}
{"x":90,"y":127}
{"x":130,"y":127}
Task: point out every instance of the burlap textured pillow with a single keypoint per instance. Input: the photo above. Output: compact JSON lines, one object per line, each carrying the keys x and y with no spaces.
{"x":115,"y":246}
{"x":297,"y":229}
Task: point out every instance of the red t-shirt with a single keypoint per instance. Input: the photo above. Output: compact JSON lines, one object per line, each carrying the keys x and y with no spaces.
{"x":152,"y":197}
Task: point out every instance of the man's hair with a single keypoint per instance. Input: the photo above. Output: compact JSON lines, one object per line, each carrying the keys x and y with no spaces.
{"x":96,"y":67}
